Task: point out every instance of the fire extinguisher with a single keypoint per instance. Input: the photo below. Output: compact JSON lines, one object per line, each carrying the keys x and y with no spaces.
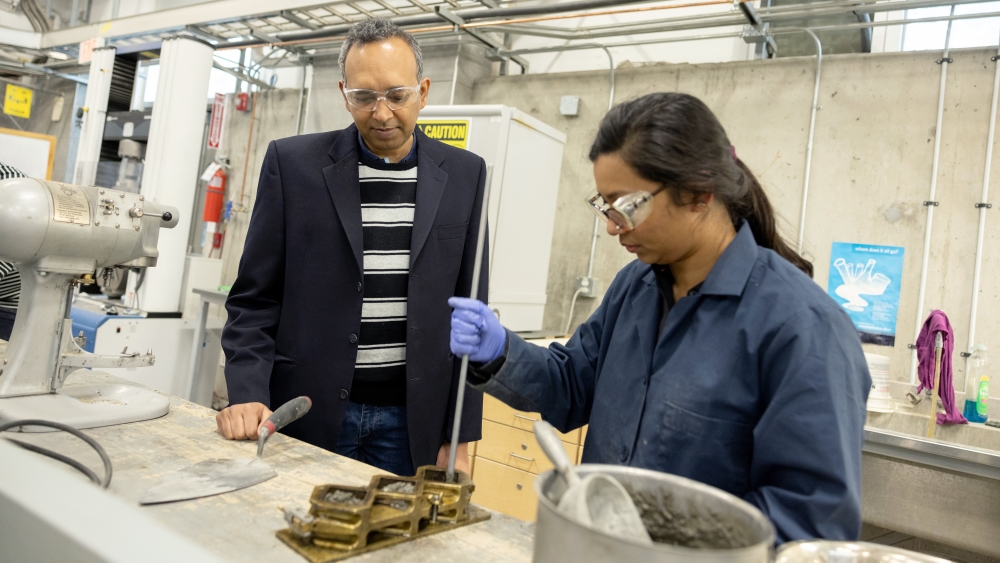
{"x":214,"y":197}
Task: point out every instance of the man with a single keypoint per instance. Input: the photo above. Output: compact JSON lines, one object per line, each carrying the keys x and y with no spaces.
{"x":10,"y":280}
{"x":357,"y":240}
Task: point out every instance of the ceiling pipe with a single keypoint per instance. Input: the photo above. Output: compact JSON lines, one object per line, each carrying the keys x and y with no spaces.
{"x":241,"y":76}
{"x":709,"y":21}
{"x":543,"y":13}
{"x":564,"y":11}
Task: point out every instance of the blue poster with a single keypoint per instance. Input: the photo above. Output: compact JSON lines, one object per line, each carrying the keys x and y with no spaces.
{"x":865,"y":280}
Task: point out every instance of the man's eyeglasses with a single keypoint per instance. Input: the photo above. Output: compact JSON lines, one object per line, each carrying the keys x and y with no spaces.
{"x":394,"y":98}
{"x":626,"y":212}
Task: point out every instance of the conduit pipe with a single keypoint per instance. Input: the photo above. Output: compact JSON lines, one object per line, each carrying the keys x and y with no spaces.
{"x":597,"y":220}
{"x":302,"y":95}
{"x":982,"y":205}
{"x":611,"y":103}
{"x":454,"y":76}
{"x":931,"y":202}
{"x":812,"y":129}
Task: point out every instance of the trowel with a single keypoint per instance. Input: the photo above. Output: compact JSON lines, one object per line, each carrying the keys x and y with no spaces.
{"x":217,"y":476}
{"x":597,"y":501}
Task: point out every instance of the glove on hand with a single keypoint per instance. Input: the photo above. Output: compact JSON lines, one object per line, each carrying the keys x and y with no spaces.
{"x":476,"y":331}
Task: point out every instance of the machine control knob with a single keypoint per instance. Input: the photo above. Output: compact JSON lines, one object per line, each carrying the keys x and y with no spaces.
{"x":138,"y":213}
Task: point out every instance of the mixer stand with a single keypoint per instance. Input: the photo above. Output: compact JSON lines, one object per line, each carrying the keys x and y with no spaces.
{"x":86,"y":406}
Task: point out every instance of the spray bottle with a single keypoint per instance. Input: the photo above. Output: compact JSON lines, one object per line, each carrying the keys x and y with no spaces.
{"x":977,"y":386}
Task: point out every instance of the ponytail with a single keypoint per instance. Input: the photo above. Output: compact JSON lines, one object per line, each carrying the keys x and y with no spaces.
{"x":756,"y":210}
{"x":675,"y":140}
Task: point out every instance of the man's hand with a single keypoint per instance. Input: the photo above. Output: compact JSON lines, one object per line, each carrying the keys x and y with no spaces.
{"x":241,"y":422}
{"x":461,"y":457}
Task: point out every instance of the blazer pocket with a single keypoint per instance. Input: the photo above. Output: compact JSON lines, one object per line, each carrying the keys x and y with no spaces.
{"x":280,"y":358}
{"x":452,"y":231}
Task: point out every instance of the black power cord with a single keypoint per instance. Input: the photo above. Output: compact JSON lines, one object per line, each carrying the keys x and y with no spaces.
{"x":58,"y":456}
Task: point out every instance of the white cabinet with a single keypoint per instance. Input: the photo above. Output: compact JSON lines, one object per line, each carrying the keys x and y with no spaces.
{"x":524,"y":157}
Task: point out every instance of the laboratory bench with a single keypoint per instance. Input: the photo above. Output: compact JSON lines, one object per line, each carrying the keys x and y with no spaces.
{"x":241,"y":525}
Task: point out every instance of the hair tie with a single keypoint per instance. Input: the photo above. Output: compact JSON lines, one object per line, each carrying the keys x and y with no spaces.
{"x":732,"y":150}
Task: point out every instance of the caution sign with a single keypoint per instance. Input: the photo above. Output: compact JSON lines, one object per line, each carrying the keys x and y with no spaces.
{"x":454,"y":132}
{"x":17,"y":101}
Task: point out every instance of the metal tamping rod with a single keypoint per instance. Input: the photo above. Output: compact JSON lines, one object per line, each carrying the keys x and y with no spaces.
{"x":473,"y":294}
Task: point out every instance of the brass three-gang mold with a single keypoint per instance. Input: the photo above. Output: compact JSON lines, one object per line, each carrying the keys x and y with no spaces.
{"x":346,"y":521}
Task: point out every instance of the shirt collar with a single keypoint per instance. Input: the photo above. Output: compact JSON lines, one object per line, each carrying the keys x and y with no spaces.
{"x":730,"y":274}
{"x":366,"y":153}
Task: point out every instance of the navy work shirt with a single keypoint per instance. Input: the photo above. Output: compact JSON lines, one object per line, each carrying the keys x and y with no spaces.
{"x":756,"y":385}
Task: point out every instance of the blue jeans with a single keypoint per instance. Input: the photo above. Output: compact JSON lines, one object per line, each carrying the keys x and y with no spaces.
{"x":6,"y":322}
{"x":376,"y":436}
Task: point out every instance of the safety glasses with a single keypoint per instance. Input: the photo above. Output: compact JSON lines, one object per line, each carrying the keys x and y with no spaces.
{"x":394,"y":98}
{"x":627,"y":212}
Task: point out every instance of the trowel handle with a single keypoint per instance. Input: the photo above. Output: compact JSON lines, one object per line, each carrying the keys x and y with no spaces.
{"x":287,"y":413}
{"x":553,"y":448}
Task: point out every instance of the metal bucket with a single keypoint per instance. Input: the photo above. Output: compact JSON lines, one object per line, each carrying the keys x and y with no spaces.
{"x":697,"y":515}
{"x":848,"y":552}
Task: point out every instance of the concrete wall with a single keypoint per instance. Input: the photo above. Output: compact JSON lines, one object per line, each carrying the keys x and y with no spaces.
{"x":273,"y":119}
{"x":871,"y":167}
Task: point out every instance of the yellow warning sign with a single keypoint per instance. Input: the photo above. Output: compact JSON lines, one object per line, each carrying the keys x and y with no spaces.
{"x":454,"y":132}
{"x":17,"y":101}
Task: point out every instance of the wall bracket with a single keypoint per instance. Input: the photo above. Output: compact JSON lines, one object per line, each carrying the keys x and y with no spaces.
{"x":984,"y":205}
{"x":930,"y":203}
{"x":948,"y":60}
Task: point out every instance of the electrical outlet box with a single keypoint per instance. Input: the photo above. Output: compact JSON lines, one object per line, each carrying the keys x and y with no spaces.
{"x":588,"y":287}
{"x":569,"y":106}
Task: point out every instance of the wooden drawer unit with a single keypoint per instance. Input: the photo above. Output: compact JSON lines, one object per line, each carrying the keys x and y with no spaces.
{"x":496,"y":411}
{"x":516,"y":448}
{"x":508,"y":458}
{"x":505,"y":489}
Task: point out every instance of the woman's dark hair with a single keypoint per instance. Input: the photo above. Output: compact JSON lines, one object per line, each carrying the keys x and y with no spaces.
{"x":675,"y":140}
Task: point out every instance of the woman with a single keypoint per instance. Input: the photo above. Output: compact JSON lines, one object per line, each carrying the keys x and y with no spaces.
{"x":714,"y":356}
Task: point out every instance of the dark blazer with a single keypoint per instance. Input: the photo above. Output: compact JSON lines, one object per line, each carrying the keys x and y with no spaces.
{"x":295,"y":306}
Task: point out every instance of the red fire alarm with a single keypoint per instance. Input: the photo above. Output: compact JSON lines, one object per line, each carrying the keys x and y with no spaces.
{"x":242,"y":101}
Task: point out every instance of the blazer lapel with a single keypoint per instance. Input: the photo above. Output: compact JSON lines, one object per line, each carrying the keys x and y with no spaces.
{"x":431,"y":180}
{"x":345,"y":189}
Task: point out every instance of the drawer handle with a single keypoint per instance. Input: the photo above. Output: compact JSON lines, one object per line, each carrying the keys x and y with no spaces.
{"x":522,"y":417}
{"x":512,"y":454}
{"x":519,"y":487}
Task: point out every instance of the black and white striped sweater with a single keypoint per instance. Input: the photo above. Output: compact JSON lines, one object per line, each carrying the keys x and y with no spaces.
{"x":10,"y":280}
{"x":388,"y":196}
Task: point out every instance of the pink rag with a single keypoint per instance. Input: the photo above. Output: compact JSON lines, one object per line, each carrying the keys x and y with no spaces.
{"x":935,"y":323}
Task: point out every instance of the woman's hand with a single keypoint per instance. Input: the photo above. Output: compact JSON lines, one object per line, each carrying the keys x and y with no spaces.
{"x":476,"y":331}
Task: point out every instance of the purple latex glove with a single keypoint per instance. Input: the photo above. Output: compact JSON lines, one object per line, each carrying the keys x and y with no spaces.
{"x":476,"y":331}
